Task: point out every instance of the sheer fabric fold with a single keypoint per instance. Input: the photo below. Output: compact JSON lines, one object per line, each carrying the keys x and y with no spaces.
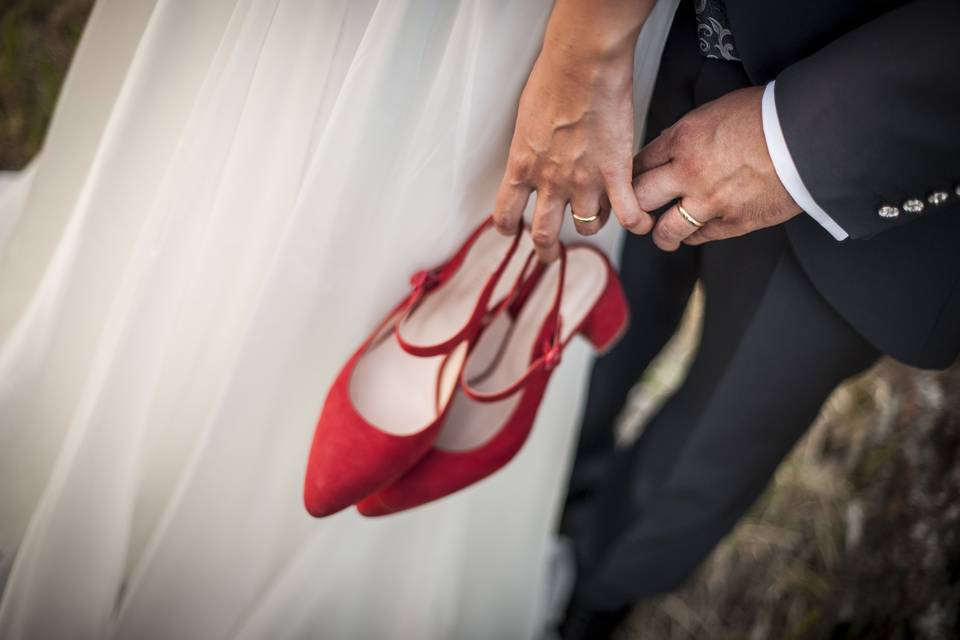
{"x":231,"y":194}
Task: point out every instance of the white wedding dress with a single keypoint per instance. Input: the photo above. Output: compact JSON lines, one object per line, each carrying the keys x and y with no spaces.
{"x":231,"y":194}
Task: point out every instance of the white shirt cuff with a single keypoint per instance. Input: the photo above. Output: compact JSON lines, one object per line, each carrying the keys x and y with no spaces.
{"x":787,"y":170}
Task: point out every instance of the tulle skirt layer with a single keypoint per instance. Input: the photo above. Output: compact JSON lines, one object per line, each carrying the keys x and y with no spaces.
{"x":231,"y":194}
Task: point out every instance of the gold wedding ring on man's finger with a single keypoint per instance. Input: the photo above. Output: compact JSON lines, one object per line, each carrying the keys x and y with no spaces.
{"x":686,"y":216}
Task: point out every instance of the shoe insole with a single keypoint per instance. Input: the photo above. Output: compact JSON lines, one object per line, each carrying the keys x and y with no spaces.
{"x":447,"y":309}
{"x":495,"y":365}
{"x":398,"y":392}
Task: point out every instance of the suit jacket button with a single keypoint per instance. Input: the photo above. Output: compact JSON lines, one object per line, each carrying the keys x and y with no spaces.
{"x":938,"y":197}
{"x":888,"y":211}
{"x":913,"y":205}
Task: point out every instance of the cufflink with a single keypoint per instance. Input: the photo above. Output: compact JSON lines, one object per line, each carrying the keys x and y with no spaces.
{"x":913,"y":205}
{"x":938,"y":197}
{"x":888,"y":211}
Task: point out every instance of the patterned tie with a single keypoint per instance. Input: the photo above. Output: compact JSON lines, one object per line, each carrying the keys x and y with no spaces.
{"x":716,"y":40}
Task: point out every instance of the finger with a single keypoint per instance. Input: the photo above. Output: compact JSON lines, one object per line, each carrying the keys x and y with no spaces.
{"x":625,"y":206}
{"x":547,"y":220}
{"x":672,"y":228}
{"x":510,"y":203}
{"x":586,"y":206}
{"x":655,"y":153}
{"x":658,"y":187}
{"x":604,"y":216}
{"x":716,"y":229}
{"x":604,"y":212}
{"x":604,"y":203}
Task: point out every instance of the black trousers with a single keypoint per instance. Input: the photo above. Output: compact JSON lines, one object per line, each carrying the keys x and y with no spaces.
{"x":643,"y":518}
{"x":772,"y":350}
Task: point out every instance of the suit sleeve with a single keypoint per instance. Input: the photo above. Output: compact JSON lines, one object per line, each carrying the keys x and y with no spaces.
{"x":872,"y":120}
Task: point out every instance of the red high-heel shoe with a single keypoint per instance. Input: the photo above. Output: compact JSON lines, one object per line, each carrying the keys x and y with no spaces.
{"x":506,"y":375}
{"x":387,"y":404}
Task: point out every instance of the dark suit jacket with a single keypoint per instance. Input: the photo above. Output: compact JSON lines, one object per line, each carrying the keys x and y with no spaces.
{"x":868,"y":96}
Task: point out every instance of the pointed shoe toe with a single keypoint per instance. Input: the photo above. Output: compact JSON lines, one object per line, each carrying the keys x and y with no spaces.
{"x":389,"y":401}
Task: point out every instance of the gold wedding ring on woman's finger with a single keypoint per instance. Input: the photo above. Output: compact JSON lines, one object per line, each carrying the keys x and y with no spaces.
{"x":595,"y":216}
{"x":686,"y":216}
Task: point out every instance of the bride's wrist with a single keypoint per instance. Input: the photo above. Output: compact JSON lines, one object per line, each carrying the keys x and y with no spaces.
{"x":609,"y":67}
{"x":596,"y":33}
{"x":597,"y":48}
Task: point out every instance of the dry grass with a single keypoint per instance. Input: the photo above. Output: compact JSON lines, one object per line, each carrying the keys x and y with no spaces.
{"x":791,"y":568}
{"x":37,"y":39}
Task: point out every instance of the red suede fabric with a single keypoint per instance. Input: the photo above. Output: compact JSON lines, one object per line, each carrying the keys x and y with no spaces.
{"x":440,"y":473}
{"x":351,"y":458}
{"x":438,"y":277}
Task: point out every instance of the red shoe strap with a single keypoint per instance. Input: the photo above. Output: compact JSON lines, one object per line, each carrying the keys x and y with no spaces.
{"x":518,"y":292}
{"x":425,"y":281}
{"x":551,"y":347}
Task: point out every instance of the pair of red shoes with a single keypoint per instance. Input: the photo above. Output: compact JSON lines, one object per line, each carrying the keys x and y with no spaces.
{"x":446,"y":389}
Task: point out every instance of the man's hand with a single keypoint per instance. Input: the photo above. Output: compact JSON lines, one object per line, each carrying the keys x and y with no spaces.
{"x":714,"y":161}
{"x":573,"y":141}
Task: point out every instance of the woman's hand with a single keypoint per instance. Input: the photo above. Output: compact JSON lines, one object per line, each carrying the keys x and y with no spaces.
{"x":573,"y":141}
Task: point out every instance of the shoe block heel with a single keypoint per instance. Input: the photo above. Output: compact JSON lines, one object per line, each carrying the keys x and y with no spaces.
{"x":609,"y":317}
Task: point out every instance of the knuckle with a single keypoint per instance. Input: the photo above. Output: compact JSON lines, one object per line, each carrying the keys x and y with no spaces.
{"x":504,"y":226}
{"x":723,"y":196}
{"x":659,"y":234}
{"x":549,"y":176}
{"x":628,"y":219}
{"x":679,"y":131}
{"x":644,"y":225}
{"x":521,"y":165}
{"x":638,"y":223}
{"x":549,"y":191}
{"x":690,"y":165}
{"x":710,"y":198}
{"x":683,"y":136}
{"x":506,"y":214}
{"x":642,"y":192}
{"x":502,"y":218}
{"x":707,"y":206}
{"x":635,"y":228}
{"x":542,"y":239}
{"x":663,"y":243}
{"x":613,"y":173}
{"x":668,"y":233}
{"x":550,"y":187}
{"x":581,"y":179}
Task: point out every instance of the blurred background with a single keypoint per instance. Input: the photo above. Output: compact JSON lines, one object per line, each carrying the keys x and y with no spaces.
{"x":857,"y":537}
